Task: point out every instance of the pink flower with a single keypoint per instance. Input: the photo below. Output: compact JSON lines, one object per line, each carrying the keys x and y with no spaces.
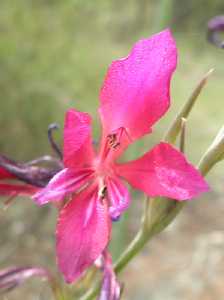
{"x":134,"y":96}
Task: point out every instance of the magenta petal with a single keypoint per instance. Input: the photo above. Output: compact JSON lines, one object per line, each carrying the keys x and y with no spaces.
{"x":63,"y":183}
{"x":164,"y":171}
{"x":135,"y":93}
{"x":118,"y":195}
{"x":78,"y":150}
{"x":8,"y":189}
{"x":83,"y":232}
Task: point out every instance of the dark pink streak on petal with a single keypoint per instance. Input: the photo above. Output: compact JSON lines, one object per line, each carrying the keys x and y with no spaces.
{"x":7,"y":189}
{"x":65,"y":182}
{"x":4,"y":174}
{"x":78,"y":150}
{"x":83,"y":232}
{"x":164,"y":171}
{"x":135,"y":93}
{"x":118,"y":195}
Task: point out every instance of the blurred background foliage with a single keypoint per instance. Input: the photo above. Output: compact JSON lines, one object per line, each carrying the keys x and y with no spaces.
{"x":54,"y":55}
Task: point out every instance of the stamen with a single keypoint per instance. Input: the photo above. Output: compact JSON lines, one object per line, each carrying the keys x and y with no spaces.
{"x":116,"y":137}
{"x":102,"y":192}
{"x":114,"y":141}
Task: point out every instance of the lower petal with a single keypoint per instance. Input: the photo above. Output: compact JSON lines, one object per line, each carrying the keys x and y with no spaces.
{"x":64,"y":182}
{"x":118,"y":195}
{"x":164,"y":171}
{"x":83,"y":232}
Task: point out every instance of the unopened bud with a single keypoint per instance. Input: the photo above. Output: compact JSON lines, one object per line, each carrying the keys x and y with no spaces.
{"x":11,"y":278}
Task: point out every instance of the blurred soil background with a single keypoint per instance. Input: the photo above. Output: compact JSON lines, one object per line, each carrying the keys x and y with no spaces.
{"x":54,"y":55}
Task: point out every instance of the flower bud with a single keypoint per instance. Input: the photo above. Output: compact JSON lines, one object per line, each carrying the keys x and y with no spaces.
{"x":11,"y":278}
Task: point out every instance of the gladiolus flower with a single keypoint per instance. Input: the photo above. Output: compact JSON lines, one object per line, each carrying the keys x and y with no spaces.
{"x":134,"y":96}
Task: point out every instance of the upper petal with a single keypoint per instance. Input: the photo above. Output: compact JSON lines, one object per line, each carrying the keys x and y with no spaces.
{"x":78,"y":149}
{"x":164,"y":171}
{"x":118,"y":195}
{"x":83,"y":232}
{"x":64,"y":182}
{"x":135,"y":93}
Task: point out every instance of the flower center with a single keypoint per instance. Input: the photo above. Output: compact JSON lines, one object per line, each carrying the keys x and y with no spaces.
{"x":103,"y":164}
{"x":113,"y":142}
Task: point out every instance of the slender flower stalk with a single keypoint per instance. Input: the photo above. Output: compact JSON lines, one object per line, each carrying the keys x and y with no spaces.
{"x":183,"y":134}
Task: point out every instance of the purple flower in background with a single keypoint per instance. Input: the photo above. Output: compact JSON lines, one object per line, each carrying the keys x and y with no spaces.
{"x":215,"y":28}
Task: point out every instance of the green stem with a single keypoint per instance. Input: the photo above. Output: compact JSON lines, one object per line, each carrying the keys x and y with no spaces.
{"x":57,"y":290}
{"x":134,"y":247}
{"x":183,"y":134}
